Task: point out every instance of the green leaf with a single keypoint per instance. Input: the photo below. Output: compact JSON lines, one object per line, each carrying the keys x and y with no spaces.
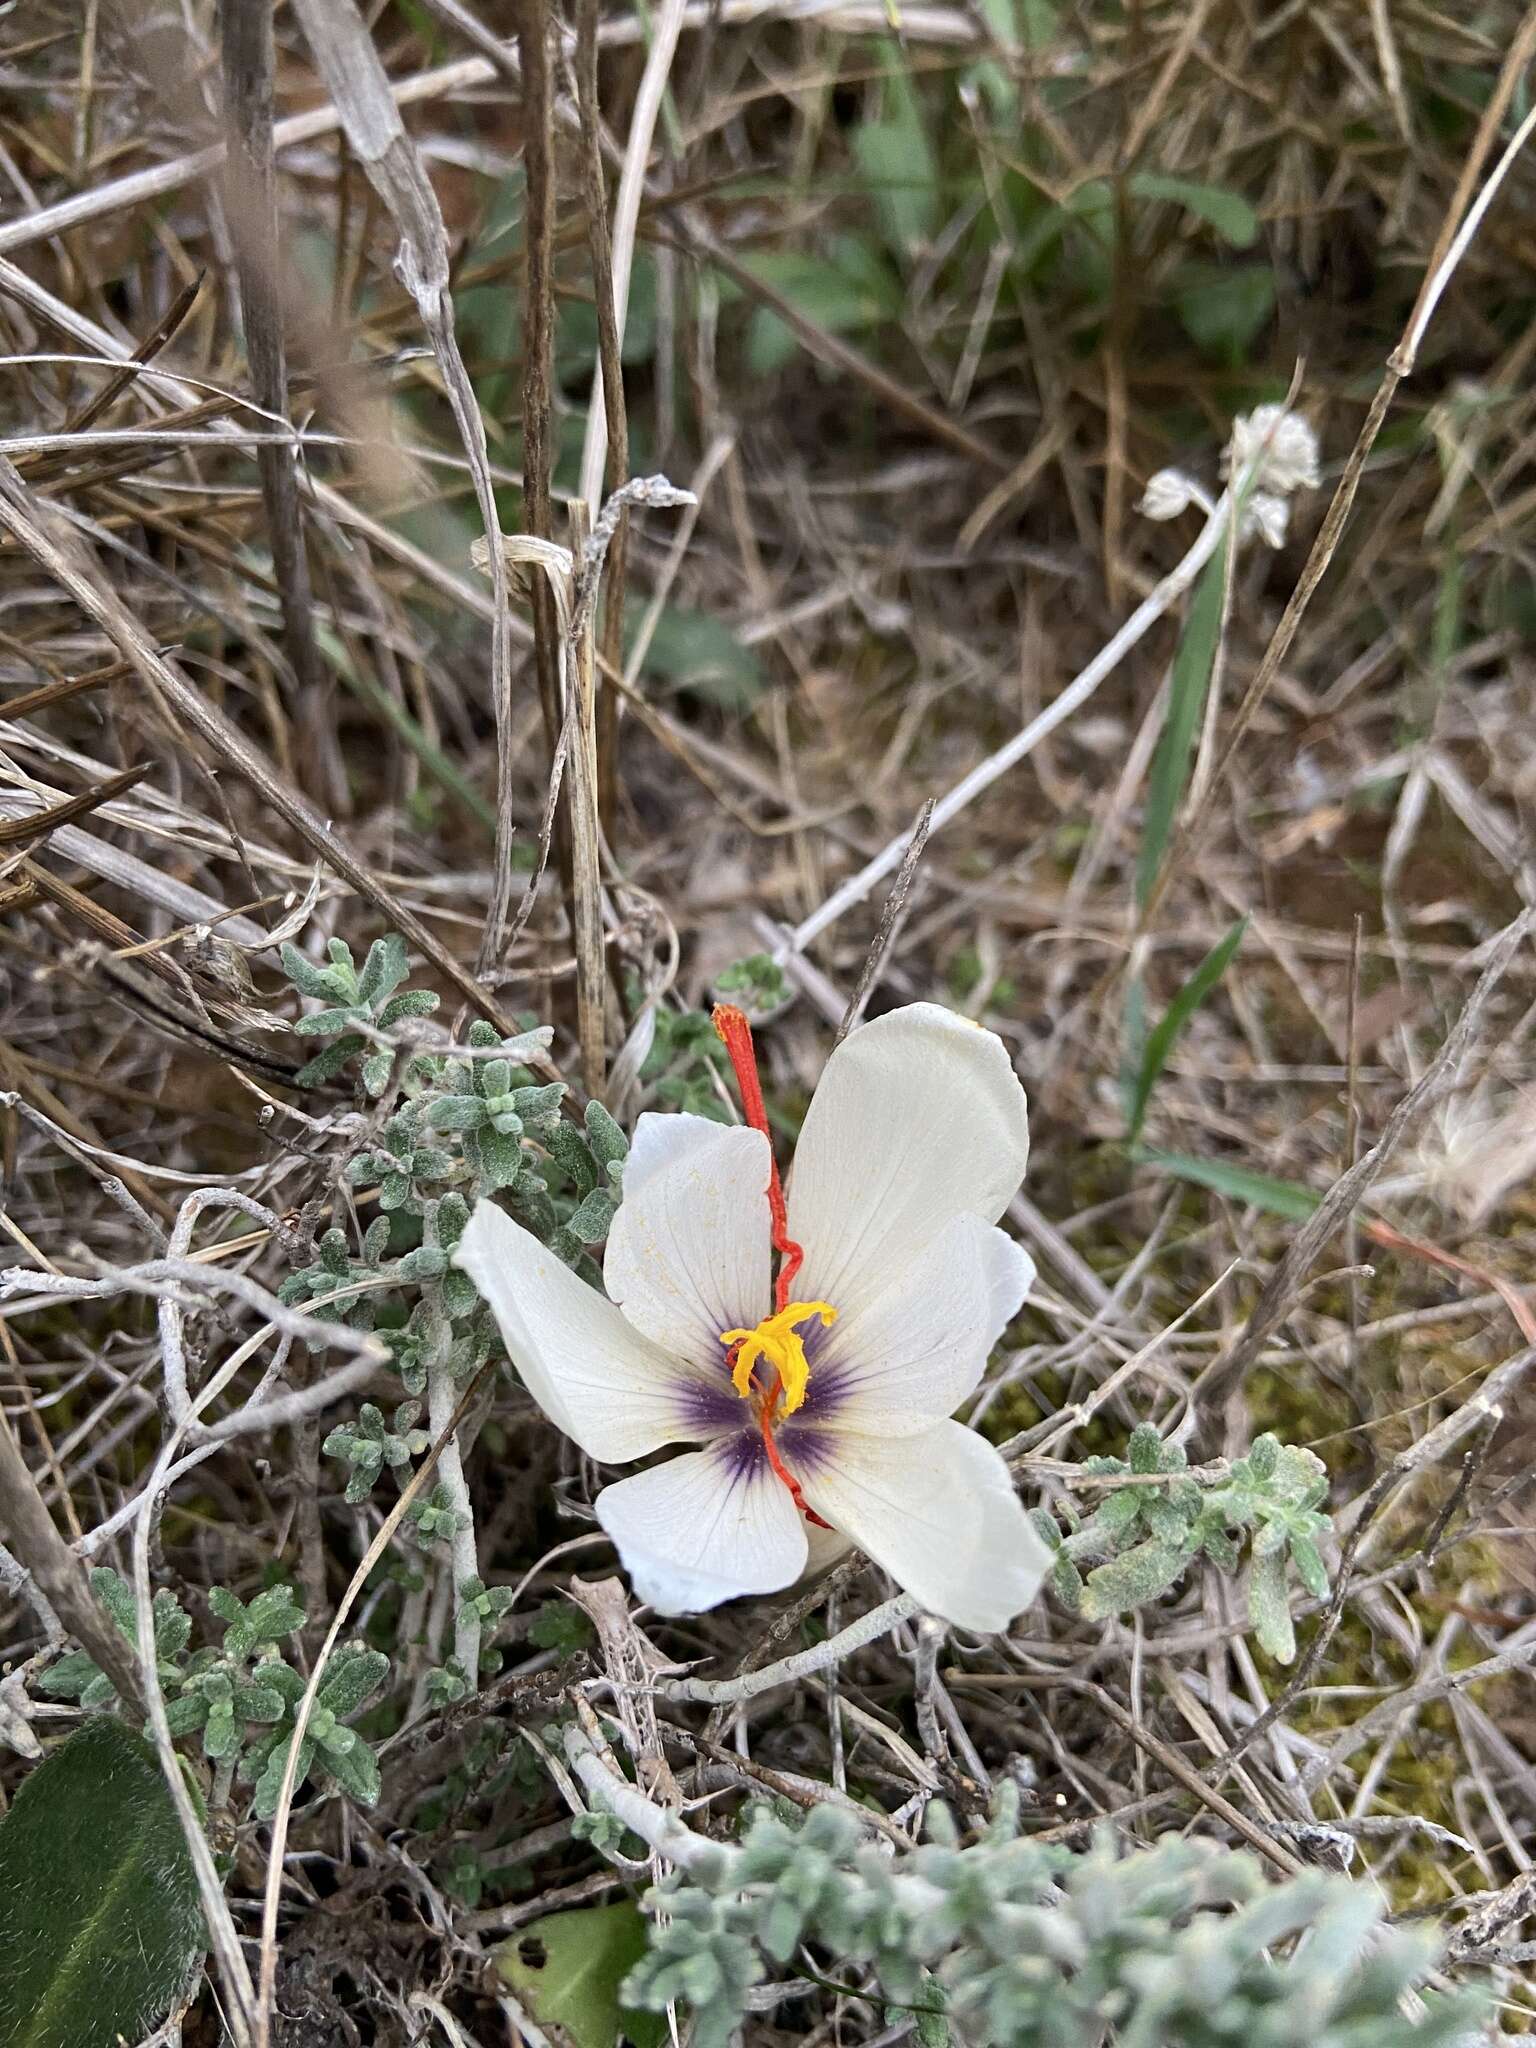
{"x":1187,"y":688}
{"x":896,"y":158}
{"x":1282,"y":1197}
{"x":609,"y":1145}
{"x":591,"y":1219}
{"x":1232,"y":218}
{"x":697,"y":651}
{"x":67,"y":1679}
{"x":1162,"y":1040}
{"x":1133,"y":1578}
{"x":411,"y":1002}
{"x":270,"y":1783}
{"x":568,"y":1967}
{"x":326,"y":1065}
{"x":323,"y":1023}
{"x":456,"y":1113}
{"x":385,"y":968}
{"x":354,"y":1674}
{"x":559,"y":1625}
{"x":1269,"y":1609}
{"x":220,"y":1735}
{"x":326,"y":984}
{"x":271,"y":1614}
{"x":115,"y":1594}
{"x":569,"y":1148}
{"x":850,"y":291}
{"x":355,"y":1770}
{"x":1222,"y":307}
{"x":186,"y":1715}
{"x":97,"y":1897}
{"x":1308,"y":1561}
{"x":498,"y":1156}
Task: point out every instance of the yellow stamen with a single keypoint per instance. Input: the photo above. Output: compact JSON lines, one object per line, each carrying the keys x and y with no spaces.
{"x":777,"y":1340}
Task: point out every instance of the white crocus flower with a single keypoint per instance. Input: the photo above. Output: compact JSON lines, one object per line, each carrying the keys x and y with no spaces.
{"x":818,"y":1403}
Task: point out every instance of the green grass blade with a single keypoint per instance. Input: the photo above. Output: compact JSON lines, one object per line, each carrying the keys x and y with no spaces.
{"x":1161,"y":1041}
{"x":1187,"y":689}
{"x":430,"y":755}
{"x":1281,"y":1197}
{"x":97,"y":1896}
{"x":1227,"y":212}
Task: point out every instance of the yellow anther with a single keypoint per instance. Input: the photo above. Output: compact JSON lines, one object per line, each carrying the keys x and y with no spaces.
{"x":777,"y":1340}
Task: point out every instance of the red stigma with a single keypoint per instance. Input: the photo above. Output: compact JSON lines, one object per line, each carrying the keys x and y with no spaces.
{"x":735,"y":1034}
{"x":780,"y":1468}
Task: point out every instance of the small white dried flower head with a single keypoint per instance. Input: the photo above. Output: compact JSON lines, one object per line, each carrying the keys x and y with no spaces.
{"x":1478,"y":1150}
{"x":1168,"y":493}
{"x":1268,"y":515}
{"x":1283,"y":445}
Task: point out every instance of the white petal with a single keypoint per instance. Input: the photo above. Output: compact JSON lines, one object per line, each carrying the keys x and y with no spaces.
{"x":937,"y":1511}
{"x":593,"y":1375}
{"x":918,"y":1118}
{"x":908,"y":1357}
{"x":823,"y":1549}
{"x":662,"y":1137}
{"x":705,"y":1527}
{"x":688,"y":1254}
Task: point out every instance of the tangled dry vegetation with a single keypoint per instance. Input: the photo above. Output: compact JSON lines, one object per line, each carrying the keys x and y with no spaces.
{"x":916,"y":302}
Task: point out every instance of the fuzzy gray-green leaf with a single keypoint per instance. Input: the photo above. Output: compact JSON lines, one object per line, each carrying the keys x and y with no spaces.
{"x":1133,"y":1578}
{"x":1268,"y":1608}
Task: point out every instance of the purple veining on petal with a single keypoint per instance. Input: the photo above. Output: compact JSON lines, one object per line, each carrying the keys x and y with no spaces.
{"x":827,"y":1390}
{"x":711,"y":1408}
{"x":745,"y":1453}
{"x":817,"y":1338}
{"x":806,"y":1450}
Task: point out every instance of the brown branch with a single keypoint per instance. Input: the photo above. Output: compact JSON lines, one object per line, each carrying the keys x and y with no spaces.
{"x":611,"y":366}
{"x":38,"y":824}
{"x":58,"y":1574}
{"x":250,"y":204}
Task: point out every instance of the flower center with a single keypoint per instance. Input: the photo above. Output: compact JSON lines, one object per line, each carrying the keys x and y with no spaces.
{"x":774,"y":1339}
{"x":778,"y":1341}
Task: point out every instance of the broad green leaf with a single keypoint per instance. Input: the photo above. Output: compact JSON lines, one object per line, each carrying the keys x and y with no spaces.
{"x":898,"y":164}
{"x":1161,"y":1041}
{"x":696,"y":651}
{"x":1232,"y":217}
{"x":576,"y":331}
{"x":1188,"y":685}
{"x":1281,"y":1197}
{"x":1223,"y":306}
{"x":98,"y":1901}
{"x":567,"y":1968}
{"x":849,"y":292}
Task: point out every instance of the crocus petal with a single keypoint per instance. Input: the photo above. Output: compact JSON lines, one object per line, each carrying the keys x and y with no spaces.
{"x":937,"y":1511}
{"x":918,"y":1118}
{"x":594,"y":1375}
{"x":688,"y":1253}
{"x":705,"y":1527}
{"x":663,"y":1137}
{"x":908,"y":1357}
{"x":823,"y":1549}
